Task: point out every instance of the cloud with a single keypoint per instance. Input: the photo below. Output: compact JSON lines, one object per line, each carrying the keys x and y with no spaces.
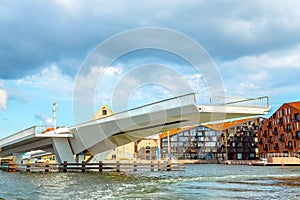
{"x":273,"y":73}
{"x":44,"y":120}
{"x":50,"y":80}
{"x":3,"y":99}
{"x":33,"y":34}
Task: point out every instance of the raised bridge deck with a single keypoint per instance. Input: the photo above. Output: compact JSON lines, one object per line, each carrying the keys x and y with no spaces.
{"x":107,"y":133}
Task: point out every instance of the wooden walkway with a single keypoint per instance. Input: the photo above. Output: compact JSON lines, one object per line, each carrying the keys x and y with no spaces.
{"x":96,"y":167}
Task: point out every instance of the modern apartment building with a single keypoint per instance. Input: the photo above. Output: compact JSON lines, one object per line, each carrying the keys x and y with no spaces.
{"x":238,"y":139}
{"x":235,"y":140}
{"x":190,"y":143}
{"x":281,"y":132}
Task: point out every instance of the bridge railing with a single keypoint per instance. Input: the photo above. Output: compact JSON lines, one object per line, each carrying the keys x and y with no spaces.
{"x":26,"y":133}
{"x":174,"y":102}
{"x":259,"y":102}
{"x":187,"y":99}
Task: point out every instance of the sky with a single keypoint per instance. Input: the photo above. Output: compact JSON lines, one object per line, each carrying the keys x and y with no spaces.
{"x":255,"y":47}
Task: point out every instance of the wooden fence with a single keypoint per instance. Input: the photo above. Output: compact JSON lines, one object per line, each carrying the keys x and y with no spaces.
{"x":96,"y":167}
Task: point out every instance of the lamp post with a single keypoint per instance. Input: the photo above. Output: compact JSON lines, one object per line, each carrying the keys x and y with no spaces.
{"x":54,"y":115}
{"x":169,"y":147}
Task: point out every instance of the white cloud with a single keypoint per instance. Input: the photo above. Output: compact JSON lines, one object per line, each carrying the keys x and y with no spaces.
{"x":111,"y":71}
{"x":287,"y":58}
{"x":3,"y":99}
{"x":70,"y":6}
{"x":273,"y":73}
{"x":44,"y":119}
{"x":50,"y":79}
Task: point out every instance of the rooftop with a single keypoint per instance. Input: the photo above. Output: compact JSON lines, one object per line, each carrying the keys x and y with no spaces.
{"x":225,"y":125}
{"x":295,"y":104}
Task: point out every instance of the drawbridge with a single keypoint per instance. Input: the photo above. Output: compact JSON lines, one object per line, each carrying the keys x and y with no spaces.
{"x":100,"y":135}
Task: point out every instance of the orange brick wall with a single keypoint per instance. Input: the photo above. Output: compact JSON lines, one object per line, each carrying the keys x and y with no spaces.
{"x":281,"y":132}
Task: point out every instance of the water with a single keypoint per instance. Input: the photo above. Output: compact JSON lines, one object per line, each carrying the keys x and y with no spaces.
{"x":197,"y":182}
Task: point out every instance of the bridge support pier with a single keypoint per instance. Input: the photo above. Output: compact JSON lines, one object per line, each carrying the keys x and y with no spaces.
{"x":63,"y":151}
{"x":18,"y":158}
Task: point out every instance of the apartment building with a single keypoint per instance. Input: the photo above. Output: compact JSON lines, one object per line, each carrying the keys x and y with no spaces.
{"x":280,"y":133}
{"x":190,"y":143}
{"x":238,"y":139}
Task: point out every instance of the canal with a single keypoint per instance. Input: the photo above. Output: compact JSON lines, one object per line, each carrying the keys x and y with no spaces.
{"x":197,"y":182}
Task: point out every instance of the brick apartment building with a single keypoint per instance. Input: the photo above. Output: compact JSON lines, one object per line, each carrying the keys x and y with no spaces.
{"x":281,"y":132}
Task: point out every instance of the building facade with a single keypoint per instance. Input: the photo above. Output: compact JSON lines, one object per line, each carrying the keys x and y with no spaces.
{"x":281,"y":132}
{"x":192,"y":143}
{"x":239,"y":139}
{"x":147,"y":149}
{"x":236,"y":140}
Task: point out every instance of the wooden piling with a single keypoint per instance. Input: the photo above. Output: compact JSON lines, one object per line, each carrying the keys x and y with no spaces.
{"x":100,"y":166}
{"x":158,"y":166}
{"x":28,"y":168}
{"x":65,"y":166}
{"x":118,"y":166}
{"x":83,"y":166}
{"x":134,"y":166}
{"x":152,"y":166}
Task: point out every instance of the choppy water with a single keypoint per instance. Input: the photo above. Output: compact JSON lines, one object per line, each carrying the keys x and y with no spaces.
{"x":197,"y":182}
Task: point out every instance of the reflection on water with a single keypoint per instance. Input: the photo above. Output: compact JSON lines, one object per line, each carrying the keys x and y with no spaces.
{"x":197,"y":182}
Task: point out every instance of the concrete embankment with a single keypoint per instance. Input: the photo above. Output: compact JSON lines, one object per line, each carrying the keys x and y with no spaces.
{"x":197,"y":161}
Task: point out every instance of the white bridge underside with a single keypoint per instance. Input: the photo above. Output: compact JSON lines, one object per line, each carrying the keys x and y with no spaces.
{"x":98,"y":137}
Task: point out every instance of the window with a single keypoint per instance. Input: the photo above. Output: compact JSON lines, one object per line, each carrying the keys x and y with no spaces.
{"x":193,"y":132}
{"x":296,"y":117}
{"x":298,"y":134}
{"x":186,"y":133}
{"x":201,"y":128}
{"x":210,"y":144}
{"x":184,"y":139}
{"x":239,"y":156}
{"x":104,"y":112}
{"x":174,"y":138}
